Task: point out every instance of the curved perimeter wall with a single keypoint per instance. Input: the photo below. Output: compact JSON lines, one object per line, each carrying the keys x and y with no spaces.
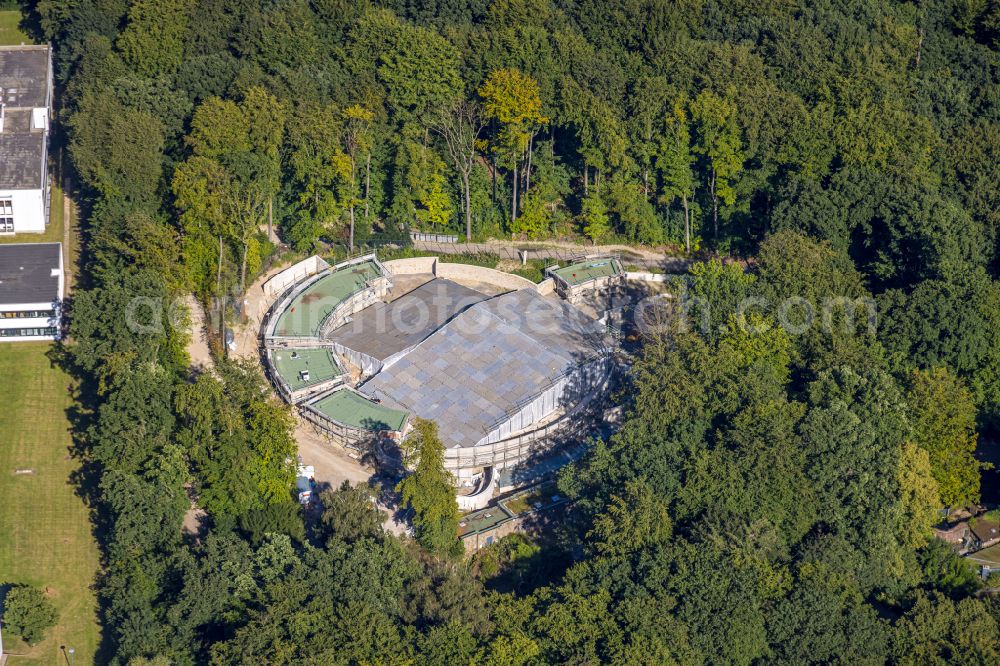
{"x":491,"y":276}
{"x":459,"y":272}
{"x":294,"y":273}
{"x":284,"y":300}
{"x":411,"y":266}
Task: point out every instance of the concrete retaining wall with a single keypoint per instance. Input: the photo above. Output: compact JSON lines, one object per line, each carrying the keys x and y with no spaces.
{"x":482,"y":498}
{"x":294,"y":273}
{"x":646,"y":277}
{"x":467,"y":272}
{"x":412,"y":266}
{"x":490,"y":276}
{"x":546,"y":286}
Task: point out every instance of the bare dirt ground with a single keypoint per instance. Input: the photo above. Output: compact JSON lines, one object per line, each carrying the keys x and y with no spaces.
{"x":255,"y":305}
{"x":657,"y":257}
{"x":333,"y":465}
{"x":197,"y":347}
{"x":192,"y":520}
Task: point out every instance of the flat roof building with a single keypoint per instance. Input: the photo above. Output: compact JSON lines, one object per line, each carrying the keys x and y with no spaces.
{"x":587,"y":277}
{"x":25,"y":106}
{"x":351,"y":417}
{"x":31,"y":291}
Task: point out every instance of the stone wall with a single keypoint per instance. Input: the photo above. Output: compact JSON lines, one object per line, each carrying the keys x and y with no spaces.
{"x":475,"y":541}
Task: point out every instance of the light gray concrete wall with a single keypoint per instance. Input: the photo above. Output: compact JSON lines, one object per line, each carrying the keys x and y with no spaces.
{"x":412,"y":266}
{"x":646,"y":277}
{"x":292,"y":274}
{"x":546,"y":286}
{"x":459,"y":272}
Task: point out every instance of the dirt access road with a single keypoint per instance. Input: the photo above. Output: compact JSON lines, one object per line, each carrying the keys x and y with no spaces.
{"x":562,"y":251}
{"x":197,"y":346}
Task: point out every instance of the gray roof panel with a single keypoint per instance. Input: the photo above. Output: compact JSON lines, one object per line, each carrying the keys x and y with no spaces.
{"x":497,"y":354}
{"x":24,"y":76}
{"x":385,"y":329}
{"x":21,"y":156}
{"x":24,"y":85}
{"x":26,"y":273}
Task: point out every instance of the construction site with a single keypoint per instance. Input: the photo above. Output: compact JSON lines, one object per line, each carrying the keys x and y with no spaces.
{"x":508,"y":369}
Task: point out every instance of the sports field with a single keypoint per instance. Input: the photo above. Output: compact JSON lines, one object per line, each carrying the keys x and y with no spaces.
{"x":45,"y":537}
{"x":9,"y":32}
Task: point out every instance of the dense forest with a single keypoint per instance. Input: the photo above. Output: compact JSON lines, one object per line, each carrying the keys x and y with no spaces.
{"x":770,"y":494}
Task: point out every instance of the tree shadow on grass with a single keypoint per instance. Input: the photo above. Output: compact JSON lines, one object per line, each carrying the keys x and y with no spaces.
{"x":81,"y":415}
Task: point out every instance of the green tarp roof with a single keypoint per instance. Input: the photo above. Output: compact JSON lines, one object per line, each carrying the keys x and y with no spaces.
{"x":307,"y":311}
{"x":584,"y":271}
{"x":356,"y":411}
{"x":290,"y":363}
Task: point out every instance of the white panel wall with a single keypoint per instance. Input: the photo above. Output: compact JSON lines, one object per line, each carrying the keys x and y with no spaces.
{"x":300,"y":271}
{"x":29,"y":322}
{"x":29,"y":210}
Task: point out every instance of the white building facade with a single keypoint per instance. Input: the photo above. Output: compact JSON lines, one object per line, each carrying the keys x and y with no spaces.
{"x":25,"y":105}
{"x":31,"y":291}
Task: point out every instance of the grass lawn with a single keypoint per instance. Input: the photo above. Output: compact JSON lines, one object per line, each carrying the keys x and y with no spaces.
{"x":9,"y":32}
{"x":45,"y":537}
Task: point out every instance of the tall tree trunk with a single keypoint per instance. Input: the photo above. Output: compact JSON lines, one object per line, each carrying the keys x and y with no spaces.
{"x":354,"y":195}
{"x":645,"y":183}
{"x":527,"y":172}
{"x":270,"y":218}
{"x":715,"y":210}
{"x":513,"y":200}
{"x":493,"y":175}
{"x":468,"y":207}
{"x":687,"y":225}
{"x":586,"y":180}
{"x":218,"y":298}
{"x":368,"y":180}
{"x":351,"y":241}
{"x":218,"y":277}
{"x":243,"y":268}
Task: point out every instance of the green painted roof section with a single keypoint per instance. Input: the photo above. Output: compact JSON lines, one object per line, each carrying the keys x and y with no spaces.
{"x":356,"y":411}
{"x":591,"y":269}
{"x":307,"y":311}
{"x":290,"y":363}
{"x":482,"y":520}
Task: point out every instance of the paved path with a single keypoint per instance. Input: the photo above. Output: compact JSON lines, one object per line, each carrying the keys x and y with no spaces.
{"x":649,"y":257}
